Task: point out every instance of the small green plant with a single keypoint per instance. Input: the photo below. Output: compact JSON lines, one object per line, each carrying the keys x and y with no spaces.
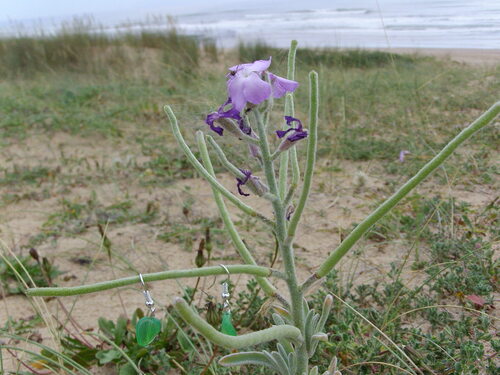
{"x":32,"y":270}
{"x":77,"y":217}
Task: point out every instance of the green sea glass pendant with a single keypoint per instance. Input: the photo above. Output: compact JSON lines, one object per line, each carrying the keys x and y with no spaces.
{"x":146,"y":329}
{"x":226,"y":326}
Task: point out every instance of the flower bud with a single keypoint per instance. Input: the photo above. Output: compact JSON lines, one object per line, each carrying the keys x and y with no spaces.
{"x":200,"y":259}
{"x":213,"y":315}
{"x":256,"y":186}
{"x":34,"y":254}
{"x":208,"y":242}
{"x":290,"y":141}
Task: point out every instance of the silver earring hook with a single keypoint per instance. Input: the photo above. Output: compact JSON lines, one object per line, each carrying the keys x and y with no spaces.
{"x":142,"y":281}
{"x":150,"y":304}
{"x":225,"y":269}
{"x":225,"y":289}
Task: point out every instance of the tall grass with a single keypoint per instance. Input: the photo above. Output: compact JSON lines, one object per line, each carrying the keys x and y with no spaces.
{"x":327,"y":57}
{"x":83,"y":46}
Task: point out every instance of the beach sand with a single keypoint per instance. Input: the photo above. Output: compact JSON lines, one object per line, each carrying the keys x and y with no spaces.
{"x":470,"y":56}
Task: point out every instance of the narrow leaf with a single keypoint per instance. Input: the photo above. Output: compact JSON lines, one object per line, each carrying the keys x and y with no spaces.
{"x":247,"y":358}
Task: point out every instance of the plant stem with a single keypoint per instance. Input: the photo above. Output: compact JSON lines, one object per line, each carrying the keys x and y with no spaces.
{"x":376,"y":215}
{"x":285,"y":247}
{"x":234,"y":342}
{"x":223,"y":159}
{"x":197,"y":165}
{"x":268,"y":288}
{"x":164,"y":275}
{"x":283,"y":171}
{"x":311,"y":153}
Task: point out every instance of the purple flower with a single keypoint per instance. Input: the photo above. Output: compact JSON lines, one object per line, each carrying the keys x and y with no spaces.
{"x":289,"y":212}
{"x":244,"y":127}
{"x":246,"y":84}
{"x":221,"y":114}
{"x":402,"y":155}
{"x":297,"y":133}
{"x":253,"y":182}
{"x":243,"y":181}
{"x":280,"y":86}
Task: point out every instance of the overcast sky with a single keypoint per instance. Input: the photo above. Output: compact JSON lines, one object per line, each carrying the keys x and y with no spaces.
{"x":18,"y":10}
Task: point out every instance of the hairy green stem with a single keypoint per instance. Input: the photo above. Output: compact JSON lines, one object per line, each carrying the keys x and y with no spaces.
{"x":266,"y":286}
{"x":197,"y":165}
{"x":164,"y":275}
{"x":283,"y":171}
{"x":223,"y":159}
{"x":234,"y":342}
{"x":376,"y":215}
{"x":286,"y":249}
{"x":311,"y":154}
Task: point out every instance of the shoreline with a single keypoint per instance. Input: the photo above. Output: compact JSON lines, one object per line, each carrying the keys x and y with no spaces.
{"x":471,"y":56}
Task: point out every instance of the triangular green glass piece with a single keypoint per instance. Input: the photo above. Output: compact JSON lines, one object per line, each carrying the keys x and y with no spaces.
{"x":146,"y":330}
{"x":226,"y":325}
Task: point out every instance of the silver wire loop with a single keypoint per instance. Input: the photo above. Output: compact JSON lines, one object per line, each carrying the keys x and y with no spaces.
{"x":225,"y":290}
{"x":150,"y":304}
{"x":225,"y":269}
{"x":142,"y":281}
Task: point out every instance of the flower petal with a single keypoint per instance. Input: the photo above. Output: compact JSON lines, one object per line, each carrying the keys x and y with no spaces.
{"x":259,"y":66}
{"x":282,"y":85}
{"x":237,"y":68}
{"x":235,"y":90}
{"x":290,"y":120}
{"x":297,"y":136}
{"x":255,"y":89}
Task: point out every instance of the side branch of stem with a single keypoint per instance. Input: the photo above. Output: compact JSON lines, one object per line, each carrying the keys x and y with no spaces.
{"x":164,"y":275}
{"x":376,"y":215}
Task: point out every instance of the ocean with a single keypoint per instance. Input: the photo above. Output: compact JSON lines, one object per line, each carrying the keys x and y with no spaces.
{"x":364,"y":24}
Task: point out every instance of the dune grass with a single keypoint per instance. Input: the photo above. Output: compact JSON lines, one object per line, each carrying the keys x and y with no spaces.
{"x":83,"y":85}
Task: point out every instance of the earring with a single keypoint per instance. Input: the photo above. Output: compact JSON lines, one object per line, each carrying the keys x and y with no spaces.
{"x":226,"y":326}
{"x":148,"y":327}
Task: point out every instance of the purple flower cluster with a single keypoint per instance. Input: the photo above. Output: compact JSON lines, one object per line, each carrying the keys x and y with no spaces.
{"x":248,"y":83}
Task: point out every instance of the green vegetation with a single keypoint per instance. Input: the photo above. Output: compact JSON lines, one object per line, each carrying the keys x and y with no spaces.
{"x":61,"y":91}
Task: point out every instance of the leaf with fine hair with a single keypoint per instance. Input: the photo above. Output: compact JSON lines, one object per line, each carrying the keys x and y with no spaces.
{"x":247,"y":358}
{"x":286,"y":344}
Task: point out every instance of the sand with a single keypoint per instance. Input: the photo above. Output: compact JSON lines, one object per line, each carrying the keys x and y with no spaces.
{"x":462,"y":55}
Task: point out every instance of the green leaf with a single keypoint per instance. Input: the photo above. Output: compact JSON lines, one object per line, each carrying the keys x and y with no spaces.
{"x":247,"y":358}
{"x":106,"y":326}
{"x":147,"y":329}
{"x":120,"y":330}
{"x":127,"y":369}
{"x":184,"y":342}
{"x":106,"y":356}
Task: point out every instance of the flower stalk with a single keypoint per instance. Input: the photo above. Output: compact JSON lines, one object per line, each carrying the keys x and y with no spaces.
{"x":358,"y":232}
